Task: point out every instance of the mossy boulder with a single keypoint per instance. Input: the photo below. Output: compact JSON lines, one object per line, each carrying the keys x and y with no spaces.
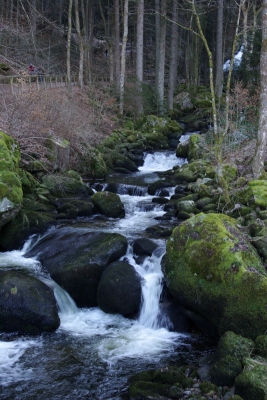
{"x":156,"y":186}
{"x":259,"y":190}
{"x":261,"y":346}
{"x":211,"y":268}
{"x":195,"y":147}
{"x":187,"y":206}
{"x":234,"y":345}
{"x":109,"y":204}
{"x":27,"y":222}
{"x":27,"y":305}
{"x":251,"y":384}
{"x":119,"y":290}
{"x":229,"y":172}
{"x":76,"y":260}
{"x":66,"y":186}
{"x":224,"y":371}
{"x":182,"y":149}
{"x":11,"y":194}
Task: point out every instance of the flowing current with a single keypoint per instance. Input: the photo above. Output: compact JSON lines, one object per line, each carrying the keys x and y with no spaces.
{"x":92,"y":354}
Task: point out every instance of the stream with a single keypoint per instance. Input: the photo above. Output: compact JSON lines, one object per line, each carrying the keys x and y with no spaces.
{"x":92,"y":354}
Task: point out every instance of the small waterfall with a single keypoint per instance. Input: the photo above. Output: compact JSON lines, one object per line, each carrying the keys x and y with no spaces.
{"x":15,"y":260}
{"x":159,"y":161}
{"x":66,"y":304}
{"x":150,"y":270}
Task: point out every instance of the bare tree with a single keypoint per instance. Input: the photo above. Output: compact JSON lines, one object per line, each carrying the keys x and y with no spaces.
{"x":173,"y":56}
{"x":123,"y":54}
{"x":161,"y":66}
{"x":219,"y":51}
{"x":140,"y":51}
{"x":69,"y":43}
{"x":258,"y":160}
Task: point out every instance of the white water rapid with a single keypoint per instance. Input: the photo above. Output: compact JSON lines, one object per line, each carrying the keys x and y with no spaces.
{"x":92,"y":348}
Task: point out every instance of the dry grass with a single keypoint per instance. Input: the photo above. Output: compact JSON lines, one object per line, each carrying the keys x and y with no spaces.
{"x":83,"y":117}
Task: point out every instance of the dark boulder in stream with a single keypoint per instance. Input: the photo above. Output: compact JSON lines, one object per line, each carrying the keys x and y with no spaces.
{"x":109,"y":204}
{"x":26,"y":304}
{"x":76,"y":260}
{"x":119,"y":290}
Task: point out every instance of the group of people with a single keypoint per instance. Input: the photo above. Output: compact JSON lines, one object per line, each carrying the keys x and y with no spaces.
{"x":39,"y":71}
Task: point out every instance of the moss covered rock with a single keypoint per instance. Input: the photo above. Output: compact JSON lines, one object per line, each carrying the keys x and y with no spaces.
{"x":26,"y":304}
{"x":234,"y":345}
{"x":109,"y":204}
{"x":224,"y":371}
{"x":66,"y":186}
{"x":252,"y":383}
{"x":212,"y":269}
{"x":261,"y":346}
{"x":10,"y":183}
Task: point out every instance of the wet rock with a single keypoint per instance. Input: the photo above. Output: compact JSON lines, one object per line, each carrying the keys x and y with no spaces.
{"x":251,"y":384}
{"x":109,"y":204}
{"x":119,"y":290}
{"x":211,"y":268}
{"x":224,"y":371}
{"x":144,"y":246}
{"x":76,"y":260}
{"x":233,"y":345}
{"x":27,"y":305}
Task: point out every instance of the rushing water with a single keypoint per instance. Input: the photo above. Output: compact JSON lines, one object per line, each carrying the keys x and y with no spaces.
{"x":92,"y":354}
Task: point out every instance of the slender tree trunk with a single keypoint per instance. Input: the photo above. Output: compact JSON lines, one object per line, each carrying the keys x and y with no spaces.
{"x":157,"y":35}
{"x":173,"y":56}
{"x":258,"y":160}
{"x":140,"y":52}
{"x":123,"y":54}
{"x":81,"y":50}
{"x":117,"y":43}
{"x":162,"y":47}
{"x":69,"y":43}
{"x":219,"y":51}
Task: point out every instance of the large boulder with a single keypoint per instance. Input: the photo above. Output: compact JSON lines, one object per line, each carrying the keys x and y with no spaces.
{"x":109,"y":204}
{"x":10,"y":184}
{"x":76,"y":260}
{"x":68,"y":185}
{"x":119,"y":290}
{"x":26,"y":304}
{"x":211,"y":268}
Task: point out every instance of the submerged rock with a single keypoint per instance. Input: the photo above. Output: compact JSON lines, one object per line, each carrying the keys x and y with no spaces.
{"x":26,"y":304}
{"x":119,"y":290}
{"x":76,"y":260}
{"x":212,"y":269}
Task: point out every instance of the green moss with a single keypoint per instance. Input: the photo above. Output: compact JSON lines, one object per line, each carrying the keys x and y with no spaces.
{"x":207,"y":387}
{"x":252,"y":383}
{"x":229,"y":172}
{"x":224,"y":371}
{"x":259,"y":191}
{"x":211,"y":268}
{"x":261,"y":346}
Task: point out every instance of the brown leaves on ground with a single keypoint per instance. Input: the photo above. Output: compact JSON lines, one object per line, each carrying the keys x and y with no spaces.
{"x":31,"y":116}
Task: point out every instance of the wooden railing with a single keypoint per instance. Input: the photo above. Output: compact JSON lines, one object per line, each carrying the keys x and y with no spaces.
{"x":19,"y":83}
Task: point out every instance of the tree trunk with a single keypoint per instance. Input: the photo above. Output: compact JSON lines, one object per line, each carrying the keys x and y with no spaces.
{"x":117,"y":44}
{"x":68,"y":43}
{"x":157,"y":35}
{"x":81,"y":49}
{"x":258,"y":160}
{"x":123,"y":54}
{"x":219,"y":51}
{"x":173,"y":56}
{"x":140,"y":52}
{"x":161,"y":73}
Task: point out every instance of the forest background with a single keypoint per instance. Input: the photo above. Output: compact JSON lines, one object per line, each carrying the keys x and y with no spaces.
{"x":131,"y":58}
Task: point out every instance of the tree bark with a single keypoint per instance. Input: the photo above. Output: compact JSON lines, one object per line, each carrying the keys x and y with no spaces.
{"x":81,"y":49}
{"x":157,"y":36}
{"x":117,"y":44}
{"x":69,"y":42}
{"x":161,"y":69}
{"x":123,"y":54}
{"x":173,"y":56}
{"x":140,"y":52}
{"x":219,"y":51}
{"x":258,"y":160}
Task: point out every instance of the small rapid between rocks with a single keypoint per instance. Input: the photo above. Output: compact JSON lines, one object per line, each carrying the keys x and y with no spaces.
{"x":92,"y":354}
